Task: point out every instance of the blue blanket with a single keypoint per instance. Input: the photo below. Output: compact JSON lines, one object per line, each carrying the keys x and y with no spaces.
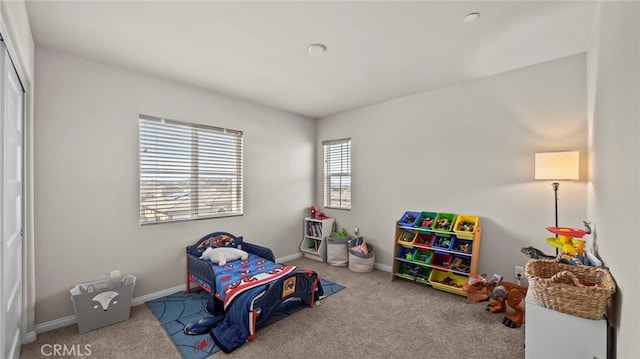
{"x":239,"y":323}
{"x":233,"y":332}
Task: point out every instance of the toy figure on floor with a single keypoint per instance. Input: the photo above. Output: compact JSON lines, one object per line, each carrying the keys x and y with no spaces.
{"x":512,"y":295}
{"x":479,"y":289}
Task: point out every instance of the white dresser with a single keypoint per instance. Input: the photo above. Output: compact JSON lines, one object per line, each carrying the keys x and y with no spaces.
{"x":551,"y":334}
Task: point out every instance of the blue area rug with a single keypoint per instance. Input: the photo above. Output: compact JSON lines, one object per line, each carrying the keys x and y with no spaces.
{"x":176,"y":310}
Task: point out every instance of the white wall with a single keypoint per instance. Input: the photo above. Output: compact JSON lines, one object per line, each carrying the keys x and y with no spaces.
{"x":86,"y":140}
{"x":614,"y":133}
{"x":468,"y":149}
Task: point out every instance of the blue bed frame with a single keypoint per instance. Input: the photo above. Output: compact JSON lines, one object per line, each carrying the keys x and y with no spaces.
{"x":200,"y":269}
{"x":200,"y":272}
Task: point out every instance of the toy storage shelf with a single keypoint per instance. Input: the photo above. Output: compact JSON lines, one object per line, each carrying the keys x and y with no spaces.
{"x":442,"y":257}
{"x":314,"y":244}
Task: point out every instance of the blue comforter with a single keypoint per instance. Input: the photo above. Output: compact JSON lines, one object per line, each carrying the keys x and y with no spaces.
{"x":233,"y":332}
{"x":241,"y":314}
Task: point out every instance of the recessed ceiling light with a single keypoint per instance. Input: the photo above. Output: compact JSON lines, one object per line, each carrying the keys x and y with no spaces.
{"x":317,"y":49}
{"x":471,"y":17}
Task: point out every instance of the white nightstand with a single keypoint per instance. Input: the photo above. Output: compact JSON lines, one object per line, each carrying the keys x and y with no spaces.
{"x":551,"y":334}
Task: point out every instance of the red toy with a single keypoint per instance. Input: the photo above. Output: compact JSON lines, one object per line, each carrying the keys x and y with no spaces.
{"x":313,"y":212}
{"x":512,"y":295}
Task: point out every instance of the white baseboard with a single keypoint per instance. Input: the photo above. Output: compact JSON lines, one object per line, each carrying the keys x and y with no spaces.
{"x":71,"y":319}
{"x":383,"y":267}
{"x":29,"y":337}
{"x":55,"y":324}
{"x":155,"y":295}
{"x":380,"y":266}
{"x":289,"y":257}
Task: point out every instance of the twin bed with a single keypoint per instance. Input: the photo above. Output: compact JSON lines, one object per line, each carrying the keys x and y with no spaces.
{"x":246,"y":294}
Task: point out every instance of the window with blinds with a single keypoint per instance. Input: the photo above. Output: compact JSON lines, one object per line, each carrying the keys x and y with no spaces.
{"x":337,"y":173}
{"x":188,"y":171}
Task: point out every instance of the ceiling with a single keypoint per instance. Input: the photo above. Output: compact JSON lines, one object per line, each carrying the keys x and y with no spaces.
{"x":258,"y":50}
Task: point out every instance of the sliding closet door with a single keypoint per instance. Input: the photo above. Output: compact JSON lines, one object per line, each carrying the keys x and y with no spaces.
{"x":11,"y":279}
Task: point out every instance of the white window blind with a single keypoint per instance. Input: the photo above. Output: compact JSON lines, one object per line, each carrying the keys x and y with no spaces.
{"x":188,"y":171}
{"x":337,"y":173}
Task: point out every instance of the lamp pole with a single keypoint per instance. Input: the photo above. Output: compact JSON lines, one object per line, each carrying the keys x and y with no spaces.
{"x":556,"y":185}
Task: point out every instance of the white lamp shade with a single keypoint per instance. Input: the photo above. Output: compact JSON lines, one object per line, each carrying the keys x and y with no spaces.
{"x":557,"y":166}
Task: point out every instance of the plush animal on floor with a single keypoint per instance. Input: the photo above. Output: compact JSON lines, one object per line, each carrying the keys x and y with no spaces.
{"x":222,"y":255}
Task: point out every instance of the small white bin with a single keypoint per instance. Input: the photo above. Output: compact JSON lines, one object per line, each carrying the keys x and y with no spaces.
{"x":102,"y":302}
{"x":359,"y":261}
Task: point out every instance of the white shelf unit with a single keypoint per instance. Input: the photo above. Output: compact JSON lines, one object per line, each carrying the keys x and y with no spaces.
{"x":551,"y":334}
{"x":314,"y":244}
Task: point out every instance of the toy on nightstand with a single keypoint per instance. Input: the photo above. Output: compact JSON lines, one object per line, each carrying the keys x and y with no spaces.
{"x":570,"y":243}
{"x":535,"y":253}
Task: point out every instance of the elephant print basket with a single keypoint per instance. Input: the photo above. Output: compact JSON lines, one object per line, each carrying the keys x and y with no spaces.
{"x":582,"y":291}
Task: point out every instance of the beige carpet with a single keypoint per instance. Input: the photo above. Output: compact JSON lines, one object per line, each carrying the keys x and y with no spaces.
{"x":373,"y":317}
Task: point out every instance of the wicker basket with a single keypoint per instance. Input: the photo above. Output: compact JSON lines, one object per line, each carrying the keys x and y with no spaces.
{"x":560,"y":287}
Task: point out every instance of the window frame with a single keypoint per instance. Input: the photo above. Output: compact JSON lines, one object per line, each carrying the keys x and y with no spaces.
{"x":345,"y":172}
{"x":220,"y":160}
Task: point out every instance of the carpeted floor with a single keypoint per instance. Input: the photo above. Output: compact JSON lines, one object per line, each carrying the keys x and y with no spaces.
{"x":373,"y":317}
{"x":178,"y":309}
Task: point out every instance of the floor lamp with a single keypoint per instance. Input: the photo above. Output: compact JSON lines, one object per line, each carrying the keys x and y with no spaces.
{"x":555,"y":167}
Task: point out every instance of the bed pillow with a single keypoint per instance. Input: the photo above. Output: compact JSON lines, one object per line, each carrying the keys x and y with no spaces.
{"x":222,"y":255}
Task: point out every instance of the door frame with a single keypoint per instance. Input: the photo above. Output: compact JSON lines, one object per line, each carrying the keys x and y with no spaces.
{"x":26,"y":183}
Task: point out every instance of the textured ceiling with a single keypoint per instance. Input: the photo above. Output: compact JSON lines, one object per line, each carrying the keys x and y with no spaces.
{"x":257,"y":50}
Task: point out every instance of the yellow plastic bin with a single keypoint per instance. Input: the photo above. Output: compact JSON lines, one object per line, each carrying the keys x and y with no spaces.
{"x":465,"y":226}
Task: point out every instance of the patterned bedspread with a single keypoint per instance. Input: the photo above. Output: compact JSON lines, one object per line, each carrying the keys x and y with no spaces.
{"x":240,"y":275}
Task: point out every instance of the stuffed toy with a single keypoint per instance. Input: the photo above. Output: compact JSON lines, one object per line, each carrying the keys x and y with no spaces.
{"x":222,"y":255}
